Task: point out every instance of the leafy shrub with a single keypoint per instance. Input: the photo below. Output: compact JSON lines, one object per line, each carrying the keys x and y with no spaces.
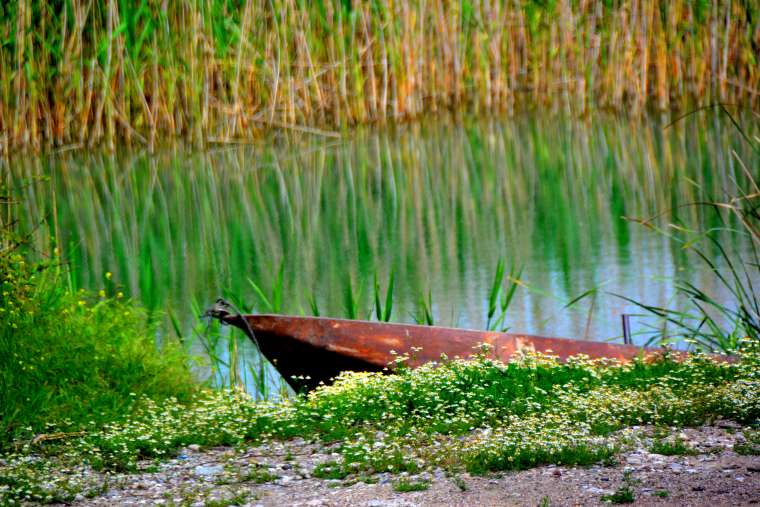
{"x":73,"y":359}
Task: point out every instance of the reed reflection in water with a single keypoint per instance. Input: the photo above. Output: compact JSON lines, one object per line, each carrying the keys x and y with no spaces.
{"x":435,"y":203}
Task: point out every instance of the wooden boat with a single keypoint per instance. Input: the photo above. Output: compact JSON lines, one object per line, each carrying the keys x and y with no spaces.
{"x":320,"y":348}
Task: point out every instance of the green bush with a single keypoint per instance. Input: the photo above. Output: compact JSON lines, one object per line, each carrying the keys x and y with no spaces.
{"x":72,"y":360}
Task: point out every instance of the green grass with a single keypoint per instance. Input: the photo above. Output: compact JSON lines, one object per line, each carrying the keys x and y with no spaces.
{"x":672,"y":447}
{"x":459,"y":482}
{"x":238,"y":499}
{"x":74,"y":361}
{"x":80,"y":360}
{"x":622,"y":495}
{"x":259,"y":476}
{"x":329,"y":470}
{"x":625,"y":493}
{"x":405,"y":485}
{"x":751,"y":445}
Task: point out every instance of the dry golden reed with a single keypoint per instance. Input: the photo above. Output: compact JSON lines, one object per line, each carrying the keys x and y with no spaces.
{"x":83,"y":72}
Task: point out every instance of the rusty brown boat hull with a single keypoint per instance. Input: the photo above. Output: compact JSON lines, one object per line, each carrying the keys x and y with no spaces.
{"x":321,"y":348}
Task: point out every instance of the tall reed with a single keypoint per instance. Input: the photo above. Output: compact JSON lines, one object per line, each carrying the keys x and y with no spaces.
{"x":710,"y":321}
{"x":80,"y":73}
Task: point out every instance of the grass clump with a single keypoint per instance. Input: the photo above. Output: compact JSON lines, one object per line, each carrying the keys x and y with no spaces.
{"x":672,"y":447}
{"x":624,"y":493}
{"x":259,"y":476}
{"x":405,"y":485}
{"x":751,"y":445}
{"x":329,"y":470}
{"x":238,"y":499}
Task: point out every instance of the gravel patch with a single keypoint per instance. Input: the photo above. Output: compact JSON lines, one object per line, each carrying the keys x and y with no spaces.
{"x":280,"y":473}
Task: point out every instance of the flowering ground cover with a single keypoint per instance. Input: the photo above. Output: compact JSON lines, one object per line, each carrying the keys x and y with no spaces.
{"x":478,"y":416}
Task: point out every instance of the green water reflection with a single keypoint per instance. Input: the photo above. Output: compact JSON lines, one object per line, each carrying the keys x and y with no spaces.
{"x":436,"y":203}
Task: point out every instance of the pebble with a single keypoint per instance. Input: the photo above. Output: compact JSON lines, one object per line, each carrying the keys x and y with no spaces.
{"x":390,"y":503}
{"x":597,"y":491}
{"x":208,"y":471}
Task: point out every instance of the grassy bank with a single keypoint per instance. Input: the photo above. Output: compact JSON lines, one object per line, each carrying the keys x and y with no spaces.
{"x":477,"y":416}
{"x":79,"y":73}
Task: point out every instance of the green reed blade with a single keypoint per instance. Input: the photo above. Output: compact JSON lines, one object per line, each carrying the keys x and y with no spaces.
{"x":493,"y":294}
{"x":389,"y":298}
{"x":269,"y":308}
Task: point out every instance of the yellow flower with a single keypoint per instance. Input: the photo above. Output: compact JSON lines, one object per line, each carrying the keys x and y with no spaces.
{"x":108,"y":275}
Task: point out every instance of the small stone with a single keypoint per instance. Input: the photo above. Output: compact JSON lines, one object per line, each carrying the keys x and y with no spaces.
{"x":389,"y":503}
{"x":208,"y":471}
{"x":79,"y":497}
{"x":194,"y":447}
{"x":677,"y":468}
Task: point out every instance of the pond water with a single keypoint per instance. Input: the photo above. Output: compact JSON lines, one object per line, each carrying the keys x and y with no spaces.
{"x":436,"y":203}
